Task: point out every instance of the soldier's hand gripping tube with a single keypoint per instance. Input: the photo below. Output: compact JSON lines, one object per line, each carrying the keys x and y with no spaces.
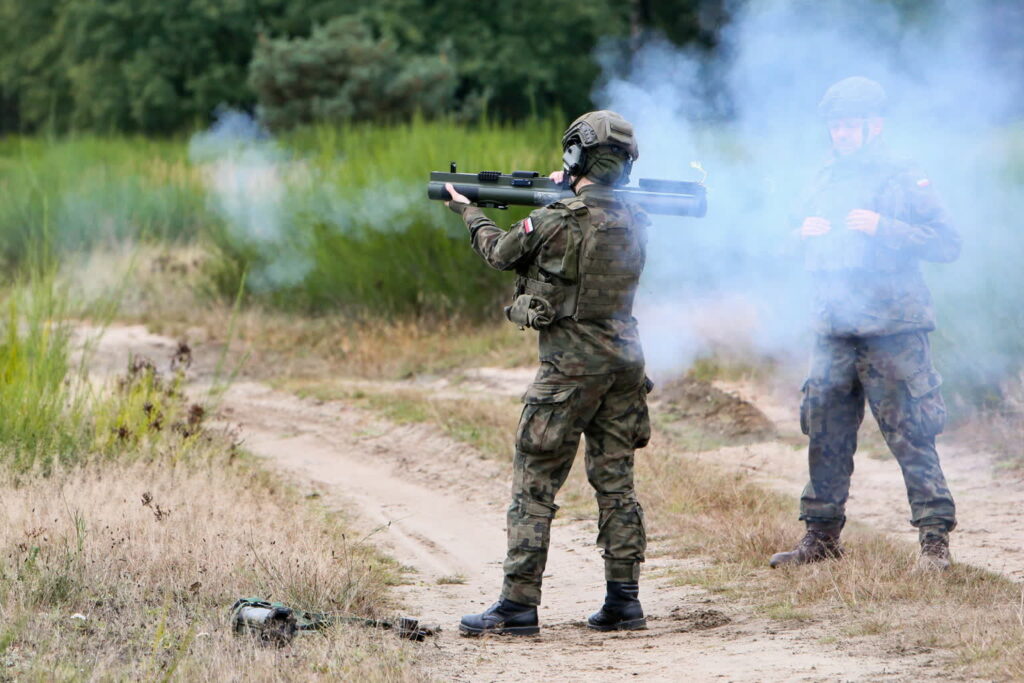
{"x":496,"y":190}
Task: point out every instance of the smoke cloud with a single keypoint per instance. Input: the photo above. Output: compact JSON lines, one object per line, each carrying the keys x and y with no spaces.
{"x":250,"y":180}
{"x":731,"y":280}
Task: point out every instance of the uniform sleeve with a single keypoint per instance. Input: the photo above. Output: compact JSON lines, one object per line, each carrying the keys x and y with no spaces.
{"x":923,"y":226}
{"x":642,"y":222}
{"x":506,"y":250}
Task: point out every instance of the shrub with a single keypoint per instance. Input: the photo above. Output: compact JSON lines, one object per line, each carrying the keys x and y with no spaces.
{"x":343,"y":73}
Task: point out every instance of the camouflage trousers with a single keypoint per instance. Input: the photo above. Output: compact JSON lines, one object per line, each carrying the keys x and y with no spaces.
{"x":896,"y":375}
{"x":611,"y":410}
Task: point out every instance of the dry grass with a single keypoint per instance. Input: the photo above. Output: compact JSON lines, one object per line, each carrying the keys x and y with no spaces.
{"x":483,"y":422}
{"x":123,"y":561}
{"x":377,"y":349}
{"x":487,"y":424}
{"x":170,"y":295}
{"x":998,"y":431}
{"x":152,"y":556}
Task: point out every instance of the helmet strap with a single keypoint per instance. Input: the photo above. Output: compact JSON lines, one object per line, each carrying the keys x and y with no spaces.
{"x":574,"y":162}
{"x":626,"y":170}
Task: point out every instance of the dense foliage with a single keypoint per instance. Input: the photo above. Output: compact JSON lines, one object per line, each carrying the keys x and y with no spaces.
{"x":160,"y":67}
{"x":342,"y":72}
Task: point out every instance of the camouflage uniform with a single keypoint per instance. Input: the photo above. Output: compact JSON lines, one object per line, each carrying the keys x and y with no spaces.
{"x":873,"y":313}
{"x":590,"y":382}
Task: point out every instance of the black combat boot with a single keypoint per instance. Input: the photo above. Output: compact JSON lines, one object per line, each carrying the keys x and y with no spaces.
{"x":621,"y":610}
{"x":504,"y":618}
{"x":821,"y":542}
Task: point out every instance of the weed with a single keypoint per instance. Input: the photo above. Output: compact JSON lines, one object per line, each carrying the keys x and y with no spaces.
{"x":455,"y":579}
{"x":783,"y":611}
{"x":44,"y":416}
{"x":151,"y":604}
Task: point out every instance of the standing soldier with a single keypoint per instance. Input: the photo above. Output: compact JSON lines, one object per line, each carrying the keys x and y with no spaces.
{"x":871,"y":220}
{"x":579,"y":262}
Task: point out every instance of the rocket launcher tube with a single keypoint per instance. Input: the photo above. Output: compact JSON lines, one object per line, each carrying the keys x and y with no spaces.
{"x":491,"y":189}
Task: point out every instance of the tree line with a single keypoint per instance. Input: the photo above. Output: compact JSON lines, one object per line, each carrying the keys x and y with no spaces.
{"x":158,"y":67}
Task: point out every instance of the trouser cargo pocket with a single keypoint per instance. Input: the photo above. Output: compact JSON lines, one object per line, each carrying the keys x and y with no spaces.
{"x":547,"y":419}
{"x":927,"y":410}
{"x":805,"y":406}
{"x":642,"y":433}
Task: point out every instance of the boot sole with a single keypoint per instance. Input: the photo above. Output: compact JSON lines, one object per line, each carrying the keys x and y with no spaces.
{"x":631,"y":625}
{"x":775,"y":564}
{"x":503,"y":631}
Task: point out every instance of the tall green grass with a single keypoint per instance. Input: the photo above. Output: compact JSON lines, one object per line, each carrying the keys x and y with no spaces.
{"x":63,"y":196}
{"x":358,"y":231}
{"x":43,"y":412}
{"x":52,"y":413}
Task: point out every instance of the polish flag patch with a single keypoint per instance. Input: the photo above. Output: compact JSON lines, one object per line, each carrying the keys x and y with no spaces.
{"x":924,"y":182}
{"x":527,"y":225}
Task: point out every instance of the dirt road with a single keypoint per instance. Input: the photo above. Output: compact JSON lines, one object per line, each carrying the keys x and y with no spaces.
{"x":438,"y":507}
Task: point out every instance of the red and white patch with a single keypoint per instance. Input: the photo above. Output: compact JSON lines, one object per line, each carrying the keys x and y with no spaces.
{"x":924,"y":182}
{"x":527,"y":225}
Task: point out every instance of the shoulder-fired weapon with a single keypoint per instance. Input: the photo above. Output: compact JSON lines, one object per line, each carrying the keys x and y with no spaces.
{"x":496,"y":190}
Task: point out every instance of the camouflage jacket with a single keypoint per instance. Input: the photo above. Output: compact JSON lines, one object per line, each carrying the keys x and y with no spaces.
{"x":872,"y":285}
{"x":586,"y":347}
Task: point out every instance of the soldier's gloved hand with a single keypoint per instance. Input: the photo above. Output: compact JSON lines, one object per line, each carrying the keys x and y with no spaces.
{"x":557,"y":176}
{"x":458,"y":202}
{"x":862,"y":220}
{"x":814,"y":226}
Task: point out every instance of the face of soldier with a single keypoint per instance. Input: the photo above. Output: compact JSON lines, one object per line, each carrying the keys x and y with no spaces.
{"x":848,"y":135}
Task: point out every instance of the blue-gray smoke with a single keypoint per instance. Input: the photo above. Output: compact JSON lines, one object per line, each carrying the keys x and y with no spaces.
{"x":730,"y":279}
{"x":250,"y":181}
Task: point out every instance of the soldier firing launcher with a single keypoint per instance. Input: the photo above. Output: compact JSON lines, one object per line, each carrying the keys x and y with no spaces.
{"x":496,"y":190}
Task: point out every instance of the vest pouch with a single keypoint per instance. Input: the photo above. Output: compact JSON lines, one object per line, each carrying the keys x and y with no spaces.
{"x":530,"y":311}
{"x":546,"y":419}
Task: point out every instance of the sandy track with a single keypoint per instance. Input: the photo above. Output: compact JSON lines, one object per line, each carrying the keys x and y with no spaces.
{"x":437,"y":506}
{"x":442,"y":507}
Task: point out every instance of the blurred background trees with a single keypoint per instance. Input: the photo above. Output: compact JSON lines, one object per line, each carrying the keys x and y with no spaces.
{"x":163,"y":67}
{"x":344,"y":71}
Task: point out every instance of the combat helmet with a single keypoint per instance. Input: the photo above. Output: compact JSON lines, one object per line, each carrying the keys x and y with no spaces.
{"x":853,"y":97}
{"x":595,"y":135}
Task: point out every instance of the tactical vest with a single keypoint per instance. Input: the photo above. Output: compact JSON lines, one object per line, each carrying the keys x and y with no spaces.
{"x":603,"y":262}
{"x":841,"y":249}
